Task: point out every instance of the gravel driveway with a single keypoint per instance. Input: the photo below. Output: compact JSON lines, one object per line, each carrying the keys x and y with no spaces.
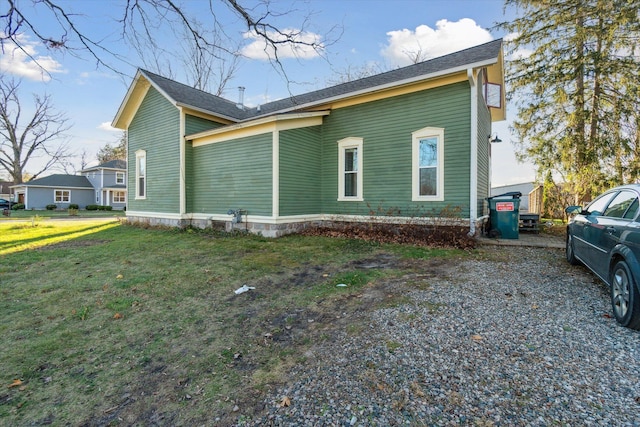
{"x":507,"y":336}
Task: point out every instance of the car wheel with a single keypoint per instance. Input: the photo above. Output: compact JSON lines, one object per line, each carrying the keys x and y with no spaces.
{"x":569,"y":251}
{"x":625,"y":298}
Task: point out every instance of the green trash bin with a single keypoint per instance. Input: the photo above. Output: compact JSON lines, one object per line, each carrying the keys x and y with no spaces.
{"x":504,"y":215}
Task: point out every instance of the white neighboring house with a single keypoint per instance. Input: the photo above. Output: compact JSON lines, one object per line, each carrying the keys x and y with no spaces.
{"x":103,"y":185}
{"x":525,"y":188}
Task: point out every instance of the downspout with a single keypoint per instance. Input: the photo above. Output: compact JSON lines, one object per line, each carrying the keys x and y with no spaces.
{"x":473,"y":167}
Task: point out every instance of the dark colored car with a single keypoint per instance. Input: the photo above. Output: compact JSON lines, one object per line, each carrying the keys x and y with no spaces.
{"x":605,"y":237}
{"x":5,"y":204}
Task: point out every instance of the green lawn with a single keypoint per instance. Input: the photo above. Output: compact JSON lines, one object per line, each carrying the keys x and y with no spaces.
{"x":109,"y":324}
{"x":41,"y":214}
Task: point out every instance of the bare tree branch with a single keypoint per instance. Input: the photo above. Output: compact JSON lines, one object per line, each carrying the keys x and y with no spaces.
{"x":142,"y":20}
{"x":42,"y":137}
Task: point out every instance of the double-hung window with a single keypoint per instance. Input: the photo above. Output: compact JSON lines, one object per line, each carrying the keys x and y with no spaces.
{"x":62,"y":196}
{"x":350,"y":169}
{"x":119,"y":197}
{"x":119,"y":177}
{"x":141,"y":174}
{"x":428,"y":164}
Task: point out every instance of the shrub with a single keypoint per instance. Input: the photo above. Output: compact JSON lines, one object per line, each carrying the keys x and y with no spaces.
{"x":17,"y":206}
{"x":73,"y":212}
{"x":91,"y":207}
{"x":74,"y":206}
{"x":105,"y":208}
{"x":51,"y":207}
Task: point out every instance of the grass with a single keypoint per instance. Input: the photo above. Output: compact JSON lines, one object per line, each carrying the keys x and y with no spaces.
{"x":21,"y":214}
{"x":108,"y":324}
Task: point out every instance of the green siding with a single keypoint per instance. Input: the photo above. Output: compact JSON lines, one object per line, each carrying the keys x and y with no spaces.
{"x":300,"y":171}
{"x":193,"y":125}
{"x":156,"y":129}
{"x":189,"y":176}
{"x":197,"y":124}
{"x":484,"y":130}
{"x":386,"y":128}
{"x":235,"y":174}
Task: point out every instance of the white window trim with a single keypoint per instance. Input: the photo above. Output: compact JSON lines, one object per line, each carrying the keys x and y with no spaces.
{"x":55,"y":198}
{"x":427,"y":132}
{"x":120,"y":178}
{"x":140,"y":154}
{"x":344,"y":144}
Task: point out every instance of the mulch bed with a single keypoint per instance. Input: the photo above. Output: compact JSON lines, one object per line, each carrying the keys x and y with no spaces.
{"x":440,"y":236}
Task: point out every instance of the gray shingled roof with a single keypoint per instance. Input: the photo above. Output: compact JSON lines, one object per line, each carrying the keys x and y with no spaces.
{"x":60,"y":180}
{"x":188,"y":96}
{"x":111,"y":164}
{"x":200,"y":100}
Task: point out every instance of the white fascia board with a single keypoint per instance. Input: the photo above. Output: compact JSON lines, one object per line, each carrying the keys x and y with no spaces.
{"x":57,"y":187}
{"x":128,"y":96}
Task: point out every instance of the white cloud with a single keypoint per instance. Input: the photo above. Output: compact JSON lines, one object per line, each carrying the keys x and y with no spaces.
{"x":24,"y":60}
{"x":260,"y":49}
{"x":521,"y":53}
{"x":426,"y":43}
{"x":107,"y":126}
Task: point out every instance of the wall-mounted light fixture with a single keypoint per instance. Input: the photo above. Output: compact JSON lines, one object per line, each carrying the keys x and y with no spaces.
{"x":494,"y":139}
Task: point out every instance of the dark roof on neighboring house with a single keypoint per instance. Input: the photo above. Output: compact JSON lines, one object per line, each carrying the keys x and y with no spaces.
{"x":59,"y":180}
{"x":187,"y":96}
{"x":111,"y":164}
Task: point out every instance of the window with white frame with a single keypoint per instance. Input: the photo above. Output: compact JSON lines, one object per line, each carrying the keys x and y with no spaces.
{"x":428,"y":164}
{"x":119,"y":197}
{"x":62,"y":196}
{"x":141,"y":174}
{"x":350,"y":169}
{"x":119,"y":177}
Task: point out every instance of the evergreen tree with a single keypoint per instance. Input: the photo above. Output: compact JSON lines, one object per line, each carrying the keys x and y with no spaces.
{"x":574,"y":79}
{"x":117,"y":152}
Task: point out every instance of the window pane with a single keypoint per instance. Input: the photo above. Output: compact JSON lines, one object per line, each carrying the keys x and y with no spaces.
{"x":428,"y":182}
{"x":351,"y":184}
{"x":141,"y":166}
{"x":429,"y":152}
{"x":351,"y":159}
{"x":141,"y":187}
{"x":620,"y":204}
{"x":632,"y":211}
{"x":597,"y":207}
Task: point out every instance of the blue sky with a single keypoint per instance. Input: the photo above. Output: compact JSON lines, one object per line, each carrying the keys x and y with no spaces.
{"x":376,"y":34}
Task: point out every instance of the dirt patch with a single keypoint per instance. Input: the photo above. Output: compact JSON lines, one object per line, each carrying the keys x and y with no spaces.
{"x":71,"y":244}
{"x":414,"y":234}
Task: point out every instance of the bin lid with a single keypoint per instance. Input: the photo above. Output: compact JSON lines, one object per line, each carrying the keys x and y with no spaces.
{"x":511,"y":194}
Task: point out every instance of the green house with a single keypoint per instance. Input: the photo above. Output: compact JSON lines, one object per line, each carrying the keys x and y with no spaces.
{"x":406,"y":145}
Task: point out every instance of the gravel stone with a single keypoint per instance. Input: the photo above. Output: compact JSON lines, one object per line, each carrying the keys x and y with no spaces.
{"x":506,"y":336}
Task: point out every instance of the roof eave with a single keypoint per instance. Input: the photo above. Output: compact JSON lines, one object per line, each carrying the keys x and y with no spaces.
{"x":391,"y":85}
{"x":257,"y":121}
{"x":125,"y":114}
{"x":207,"y":112}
